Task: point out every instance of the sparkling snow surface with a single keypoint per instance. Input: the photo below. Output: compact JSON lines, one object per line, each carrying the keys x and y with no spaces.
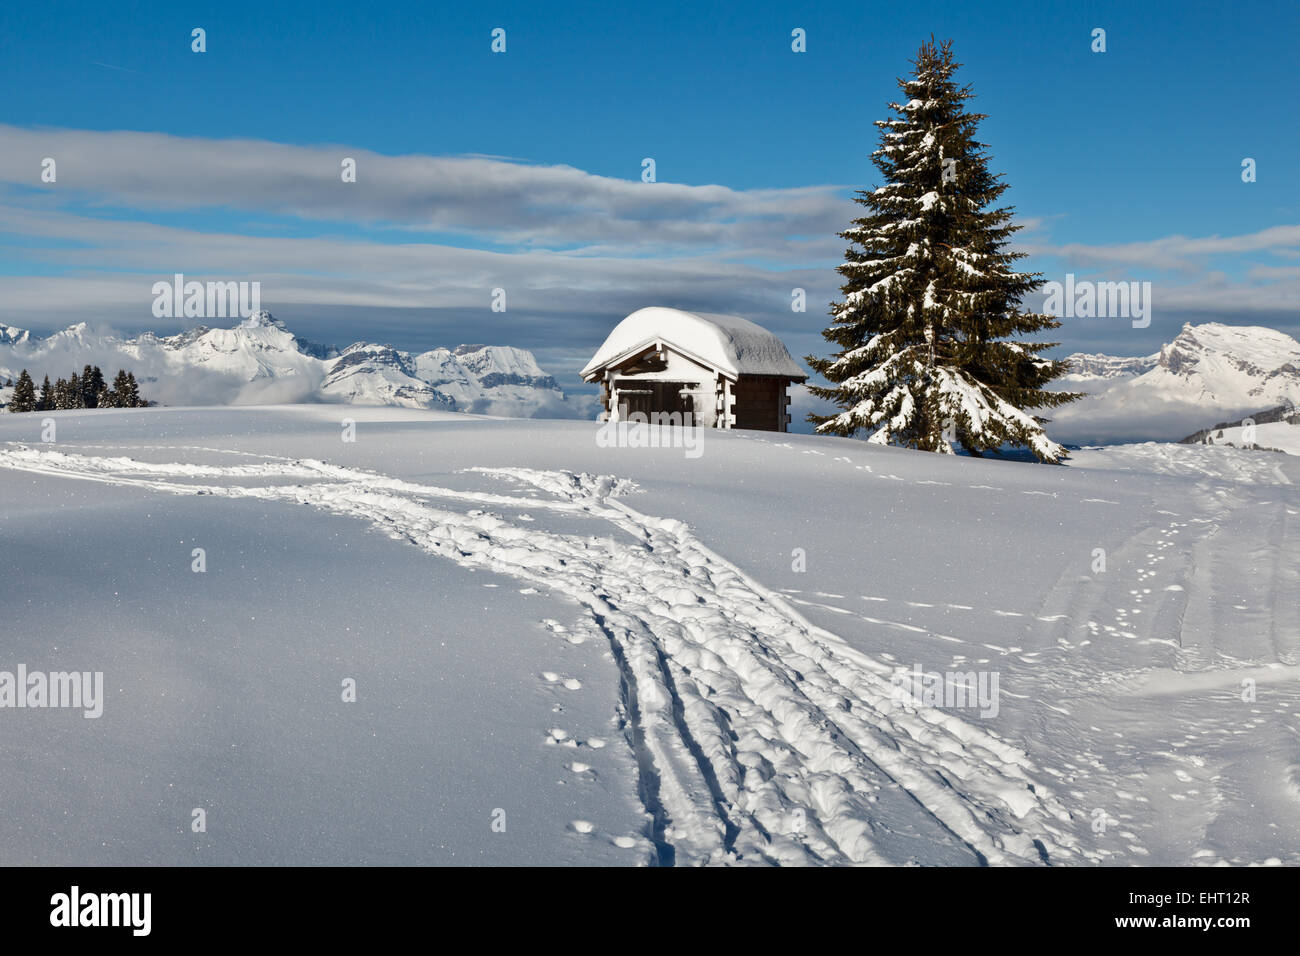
{"x":637,"y":656}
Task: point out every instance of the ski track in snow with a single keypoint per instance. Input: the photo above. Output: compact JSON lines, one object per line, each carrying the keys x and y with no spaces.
{"x":1213,"y":586}
{"x":759,"y":737}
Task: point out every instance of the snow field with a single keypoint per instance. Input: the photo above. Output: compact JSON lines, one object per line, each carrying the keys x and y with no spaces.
{"x":754,"y":708}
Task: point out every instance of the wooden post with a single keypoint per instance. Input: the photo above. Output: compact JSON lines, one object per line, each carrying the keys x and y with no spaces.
{"x":726,"y":416}
{"x":612,"y":404}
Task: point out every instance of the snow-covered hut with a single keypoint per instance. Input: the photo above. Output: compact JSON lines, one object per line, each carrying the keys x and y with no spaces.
{"x":725,"y":371}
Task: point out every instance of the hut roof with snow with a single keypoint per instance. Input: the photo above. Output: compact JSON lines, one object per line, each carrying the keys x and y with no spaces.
{"x":723,"y":370}
{"x":732,"y":345}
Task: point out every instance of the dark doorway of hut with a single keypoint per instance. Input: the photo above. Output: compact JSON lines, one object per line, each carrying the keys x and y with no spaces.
{"x":653,"y":399}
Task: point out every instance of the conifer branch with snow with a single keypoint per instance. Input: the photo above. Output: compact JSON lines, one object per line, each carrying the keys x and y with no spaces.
{"x":928,"y":325}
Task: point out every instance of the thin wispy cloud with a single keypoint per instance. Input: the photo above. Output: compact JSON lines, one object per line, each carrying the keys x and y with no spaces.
{"x":1177,"y":253}
{"x":111,"y":66}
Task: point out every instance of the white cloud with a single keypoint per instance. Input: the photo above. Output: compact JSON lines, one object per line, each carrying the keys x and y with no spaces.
{"x":513,"y":203}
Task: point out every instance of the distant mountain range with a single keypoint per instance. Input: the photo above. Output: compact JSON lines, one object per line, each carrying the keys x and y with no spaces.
{"x":1209,"y":373}
{"x":260,"y":361}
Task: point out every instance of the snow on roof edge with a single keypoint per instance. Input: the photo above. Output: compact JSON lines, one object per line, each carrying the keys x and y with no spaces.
{"x":730,"y":343}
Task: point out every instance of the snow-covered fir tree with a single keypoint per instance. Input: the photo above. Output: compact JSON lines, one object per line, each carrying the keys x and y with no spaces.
{"x":24,"y":399}
{"x":92,"y":383}
{"x":125,"y":393}
{"x":117,"y":396}
{"x":928,"y":326}
{"x":73,"y":396}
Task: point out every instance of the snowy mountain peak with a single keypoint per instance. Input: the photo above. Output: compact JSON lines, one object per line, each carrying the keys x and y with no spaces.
{"x":1231,"y":355}
{"x":1213,"y":358}
{"x":1209,"y":372}
{"x":262,"y":320}
{"x":1097,"y":365}
{"x":500,"y":360}
{"x":364,"y":353}
{"x":78,"y":330}
{"x":13,"y":336}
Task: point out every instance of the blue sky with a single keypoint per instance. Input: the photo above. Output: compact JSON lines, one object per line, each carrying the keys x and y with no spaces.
{"x":1123,"y":165}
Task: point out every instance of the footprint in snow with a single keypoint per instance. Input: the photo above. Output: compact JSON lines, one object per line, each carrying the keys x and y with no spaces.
{"x":563,"y":738}
{"x":568,"y":683}
{"x":558,"y":628}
